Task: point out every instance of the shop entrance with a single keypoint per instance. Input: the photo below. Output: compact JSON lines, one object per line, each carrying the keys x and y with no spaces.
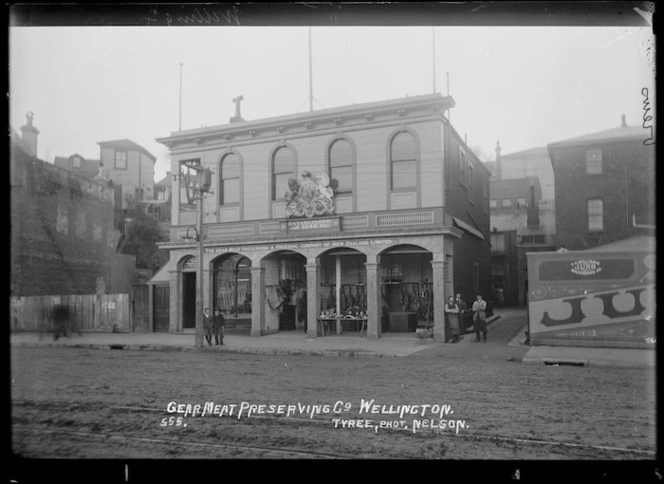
{"x":232,"y":290}
{"x":406,"y":289}
{"x":286,"y":291}
{"x":343,"y":291}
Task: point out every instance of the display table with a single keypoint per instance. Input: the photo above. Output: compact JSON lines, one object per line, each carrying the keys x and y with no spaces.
{"x":326,"y":323}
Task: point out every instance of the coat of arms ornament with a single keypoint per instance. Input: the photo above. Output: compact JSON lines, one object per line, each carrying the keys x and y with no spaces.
{"x":311,"y":198}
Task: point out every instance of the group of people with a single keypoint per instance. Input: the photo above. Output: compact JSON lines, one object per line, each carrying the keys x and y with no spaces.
{"x":455,"y":308}
{"x":214,"y":325}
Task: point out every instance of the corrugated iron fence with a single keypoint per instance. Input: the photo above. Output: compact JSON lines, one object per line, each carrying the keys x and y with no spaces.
{"x":86,"y":313}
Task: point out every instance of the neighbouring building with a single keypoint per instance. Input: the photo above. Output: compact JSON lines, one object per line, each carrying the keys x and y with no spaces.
{"x":520,"y":222}
{"x":377,"y":207}
{"x":605,"y":187}
{"x":63,"y":240}
{"x":126,"y":164}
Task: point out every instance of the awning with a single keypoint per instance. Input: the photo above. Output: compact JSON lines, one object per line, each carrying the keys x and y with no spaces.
{"x":161,"y":276}
{"x":468,"y":228}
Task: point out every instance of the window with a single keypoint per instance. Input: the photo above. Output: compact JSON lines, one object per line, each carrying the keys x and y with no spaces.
{"x":498,"y":243}
{"x":595,"y":214}
{"x":121,"y":160}
{"x":283,"y":167}
{"x":527,"y":239}
{"x":402,"y":157}
{"x":188,"y":181}
{"x":507,"y":203}
{"x":521,"y":202}
{"x":341,"y":166}
{"x":463,"y":167}
{"x":76,"y":162}
{"x":161,"y":195}
{"x":229,"y":180}
{"x":594,"y":162}
{"x":471,"y":179}
{"x":493,"y":203}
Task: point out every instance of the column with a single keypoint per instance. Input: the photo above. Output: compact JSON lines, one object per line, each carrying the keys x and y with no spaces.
{"x":439,"y":296}
{"x":257,"y":301}
{"x":374,"y":307}
{"x":175,"y":317}
{"x":338,"y":283}
{"x":313,"y":299}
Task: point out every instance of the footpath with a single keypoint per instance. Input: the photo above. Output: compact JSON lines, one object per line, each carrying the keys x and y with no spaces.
{"x":506,"y":340}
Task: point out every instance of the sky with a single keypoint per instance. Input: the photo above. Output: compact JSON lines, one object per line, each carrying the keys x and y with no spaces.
{"x":523,"y":86}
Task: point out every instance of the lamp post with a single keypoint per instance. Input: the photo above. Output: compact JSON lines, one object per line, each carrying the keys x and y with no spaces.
{"x":202,"y":186}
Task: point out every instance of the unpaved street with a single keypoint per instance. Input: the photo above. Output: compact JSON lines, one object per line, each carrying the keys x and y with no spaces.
{"x":85,"y":403}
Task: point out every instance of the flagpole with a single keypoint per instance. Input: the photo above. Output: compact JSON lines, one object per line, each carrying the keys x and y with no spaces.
{"x":311,"y":82}
{"x":433,"y":31}
{"x":180,"y":115}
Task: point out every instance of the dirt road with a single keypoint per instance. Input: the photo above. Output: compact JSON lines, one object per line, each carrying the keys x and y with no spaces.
{"x":80,"y":403}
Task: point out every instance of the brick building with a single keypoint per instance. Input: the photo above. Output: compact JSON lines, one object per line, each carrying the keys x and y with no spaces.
{"x":406,"y":224}
{"x":62,"y":235}
{"x":605,"y":187}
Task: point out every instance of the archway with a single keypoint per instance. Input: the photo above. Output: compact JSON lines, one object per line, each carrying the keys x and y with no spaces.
{"x":343,"y":290}
{"x":285,"y":291}
{"x":231,"y":290}
{"x":407,"y":294}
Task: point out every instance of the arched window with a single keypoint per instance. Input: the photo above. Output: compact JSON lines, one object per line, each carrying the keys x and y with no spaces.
{"x":283,"y":165}
{"x":229,"y":180}
{"x":341,"y":166}
{"x":402,"y":160}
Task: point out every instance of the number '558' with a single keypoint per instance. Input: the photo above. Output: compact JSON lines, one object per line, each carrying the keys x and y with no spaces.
{"x":170,"y":421}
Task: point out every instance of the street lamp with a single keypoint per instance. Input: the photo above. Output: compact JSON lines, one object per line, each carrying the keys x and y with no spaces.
{"x":202,"y":186}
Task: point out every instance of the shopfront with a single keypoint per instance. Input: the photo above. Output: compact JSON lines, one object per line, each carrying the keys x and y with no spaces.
{"x":370,"y":285}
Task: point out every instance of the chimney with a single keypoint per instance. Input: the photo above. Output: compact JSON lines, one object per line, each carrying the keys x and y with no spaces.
{"x":29,"y":135}
{"x":623,"y":123}
{"x":498,"y":162}
{"x":237,"y":118}
{"x":533,"y":210}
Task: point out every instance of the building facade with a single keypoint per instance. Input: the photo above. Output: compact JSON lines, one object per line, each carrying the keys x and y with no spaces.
{"x":605,"y":187}
{"x":124,"y":163}
{"x":376,"y":208}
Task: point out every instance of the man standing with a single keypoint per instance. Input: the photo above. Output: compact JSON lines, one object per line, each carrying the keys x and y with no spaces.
{"x":479,"y":318}
{"x":207,"y":325}
{"x":452,"y":313}
{"x":219,"y":323}
{"x":461,"y":304}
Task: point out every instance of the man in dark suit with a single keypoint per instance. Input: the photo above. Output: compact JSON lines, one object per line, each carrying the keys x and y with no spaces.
{"x":219,"y":322}
{"x":207,"y":325}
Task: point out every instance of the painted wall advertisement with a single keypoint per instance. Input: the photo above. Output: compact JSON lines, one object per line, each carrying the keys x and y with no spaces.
{"x":592,"y":298}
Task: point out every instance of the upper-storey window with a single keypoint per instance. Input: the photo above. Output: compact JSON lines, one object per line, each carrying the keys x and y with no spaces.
{"x":341,"y":166}
{"x":121,"y":160}
{"x":188,"y":181}
{"x":463,"y":167}
{"x":229,"y":180}
{"x":76,"y":162}
{"x":594,"y":162}
{"x":283,"y":168}
{"x":595,"y":214}
{"x":403,"y":153}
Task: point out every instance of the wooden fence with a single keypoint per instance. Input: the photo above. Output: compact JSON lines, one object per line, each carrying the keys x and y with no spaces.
{"x":87,"y":313}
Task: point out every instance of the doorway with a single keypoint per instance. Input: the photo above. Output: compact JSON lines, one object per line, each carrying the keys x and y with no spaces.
{"x":188,"y":300}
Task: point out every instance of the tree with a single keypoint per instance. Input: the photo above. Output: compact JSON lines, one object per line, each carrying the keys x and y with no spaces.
{"x":140,"y":239}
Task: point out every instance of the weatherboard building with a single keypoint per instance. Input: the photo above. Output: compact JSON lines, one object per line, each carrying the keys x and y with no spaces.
{"x":375,"y":210}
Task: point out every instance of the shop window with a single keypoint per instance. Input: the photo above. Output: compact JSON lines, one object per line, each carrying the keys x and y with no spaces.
{"x":595,"y":214}
{"x":283,"y":169}
{"x":121,"y":160}
{"x":229,"y":180}
{"x":233,"y":286}
{"x":187,"y":182}
{"x":341,"y":166}
{"x":403,"y":152}
{"x":594,"y":162}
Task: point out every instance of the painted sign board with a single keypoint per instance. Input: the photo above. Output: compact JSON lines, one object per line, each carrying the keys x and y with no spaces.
{"x":592,"y":298}
{"x":314,"y":225}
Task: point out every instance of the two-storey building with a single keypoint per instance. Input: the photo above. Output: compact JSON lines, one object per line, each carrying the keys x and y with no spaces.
{"x":605,"y":187}
{"x":377,"y":208}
